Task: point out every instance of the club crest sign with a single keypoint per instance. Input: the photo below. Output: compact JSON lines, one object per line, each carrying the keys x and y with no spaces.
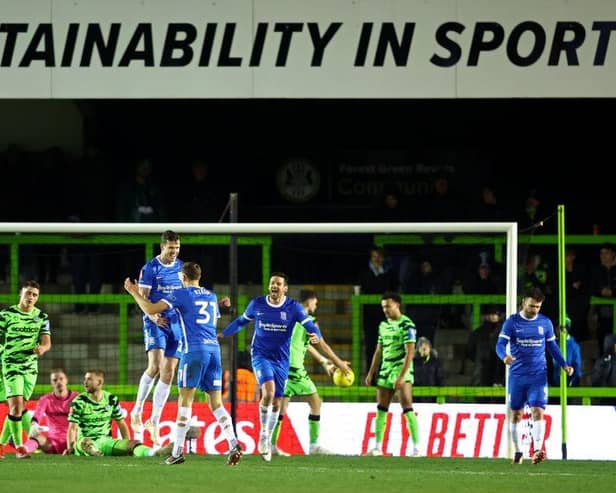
{"x":298,"y":181}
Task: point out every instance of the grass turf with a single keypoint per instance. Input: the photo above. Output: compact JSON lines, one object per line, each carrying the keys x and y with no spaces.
{"x":300,"y":474}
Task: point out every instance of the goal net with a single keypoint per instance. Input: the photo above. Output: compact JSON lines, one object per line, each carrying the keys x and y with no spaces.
{"x":95,"y":324}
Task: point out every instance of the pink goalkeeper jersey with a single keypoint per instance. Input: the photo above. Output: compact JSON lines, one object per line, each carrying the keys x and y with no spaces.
{"x":56,"y":410}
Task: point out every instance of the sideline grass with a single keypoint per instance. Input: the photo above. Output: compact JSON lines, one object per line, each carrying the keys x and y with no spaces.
{"x":301,"y":474}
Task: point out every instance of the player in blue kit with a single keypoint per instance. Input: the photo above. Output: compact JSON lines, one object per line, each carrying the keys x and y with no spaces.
{"x":200,"y":364}
{"x":528,"y":333}
{"x":274,"y":318}
{"x":158,"y":278}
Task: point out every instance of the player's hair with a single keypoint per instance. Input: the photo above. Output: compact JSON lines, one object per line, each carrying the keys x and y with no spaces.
{"x":169,"y":236}
{"x":57,"y":370}
{"x":97,"y":372}
{"x":31,"y":284}
{"x":281,"y":274}
{"x":307,"y":294}
{"x":391,"y":295}
{"x":534,"y":293}
{"x":192,"y":270}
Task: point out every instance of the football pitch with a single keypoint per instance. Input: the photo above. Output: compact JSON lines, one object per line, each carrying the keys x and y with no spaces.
{"x":298,"y":474}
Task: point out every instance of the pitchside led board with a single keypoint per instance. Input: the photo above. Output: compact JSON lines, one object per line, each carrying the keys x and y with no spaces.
{"x":307,"y":49}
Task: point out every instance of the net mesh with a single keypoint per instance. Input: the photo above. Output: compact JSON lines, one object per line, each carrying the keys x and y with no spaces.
{"x":95,"y":324}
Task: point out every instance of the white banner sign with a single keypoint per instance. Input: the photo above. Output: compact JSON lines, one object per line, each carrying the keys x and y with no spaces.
{"x":457,"y":430}
{"x":307,"y":49}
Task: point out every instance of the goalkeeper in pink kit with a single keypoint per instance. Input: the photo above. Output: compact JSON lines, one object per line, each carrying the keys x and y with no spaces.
{"x":55,"y":406}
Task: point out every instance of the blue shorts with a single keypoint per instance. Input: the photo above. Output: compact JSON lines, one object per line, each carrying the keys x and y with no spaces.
{"x":201,"y":369}
{"x":167,"y":339}
{"x":266,"y":370}
{"x":532,"y":390}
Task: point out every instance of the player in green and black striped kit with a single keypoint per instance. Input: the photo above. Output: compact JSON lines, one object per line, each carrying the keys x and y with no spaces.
{"x":26,"y":336}
{"x":393,"y":357}
{"x":299,"y":383}
{"x":89,"y":430}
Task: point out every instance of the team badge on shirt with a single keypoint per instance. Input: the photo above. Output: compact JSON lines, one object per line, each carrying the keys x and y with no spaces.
{"x":540,"y":329}
{"x":283,"y":316}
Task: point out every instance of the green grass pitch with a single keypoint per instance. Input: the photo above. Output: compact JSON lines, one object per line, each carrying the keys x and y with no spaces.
{"x":299,"y":474}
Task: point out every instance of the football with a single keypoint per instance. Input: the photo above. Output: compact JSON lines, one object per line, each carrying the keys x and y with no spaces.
{"x":342,"y":380}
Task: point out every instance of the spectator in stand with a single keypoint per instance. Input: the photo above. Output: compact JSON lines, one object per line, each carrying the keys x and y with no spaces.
{"x":428,"y":367}
{"x":443,"y":205}
{"x":604,"y":286}
{"x":482,"y":281}
{"x":578,"y":295}
{"x":427,"y":317}
{"x":604,"y":371}
{"x":140,"y":199}
{"x":488,"y":208}
{"x":537,"y":274}
{"x":533,"y":213}
{"x":391,"y":209}
{"x":574,"y":359}
{"x":487,"y":370}
{"x":203,"y":202}
{"x":374,"y":279}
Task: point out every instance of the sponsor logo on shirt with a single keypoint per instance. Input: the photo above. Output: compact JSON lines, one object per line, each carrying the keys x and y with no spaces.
{"x":271,"y":327}
{"x":530,"y":342}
